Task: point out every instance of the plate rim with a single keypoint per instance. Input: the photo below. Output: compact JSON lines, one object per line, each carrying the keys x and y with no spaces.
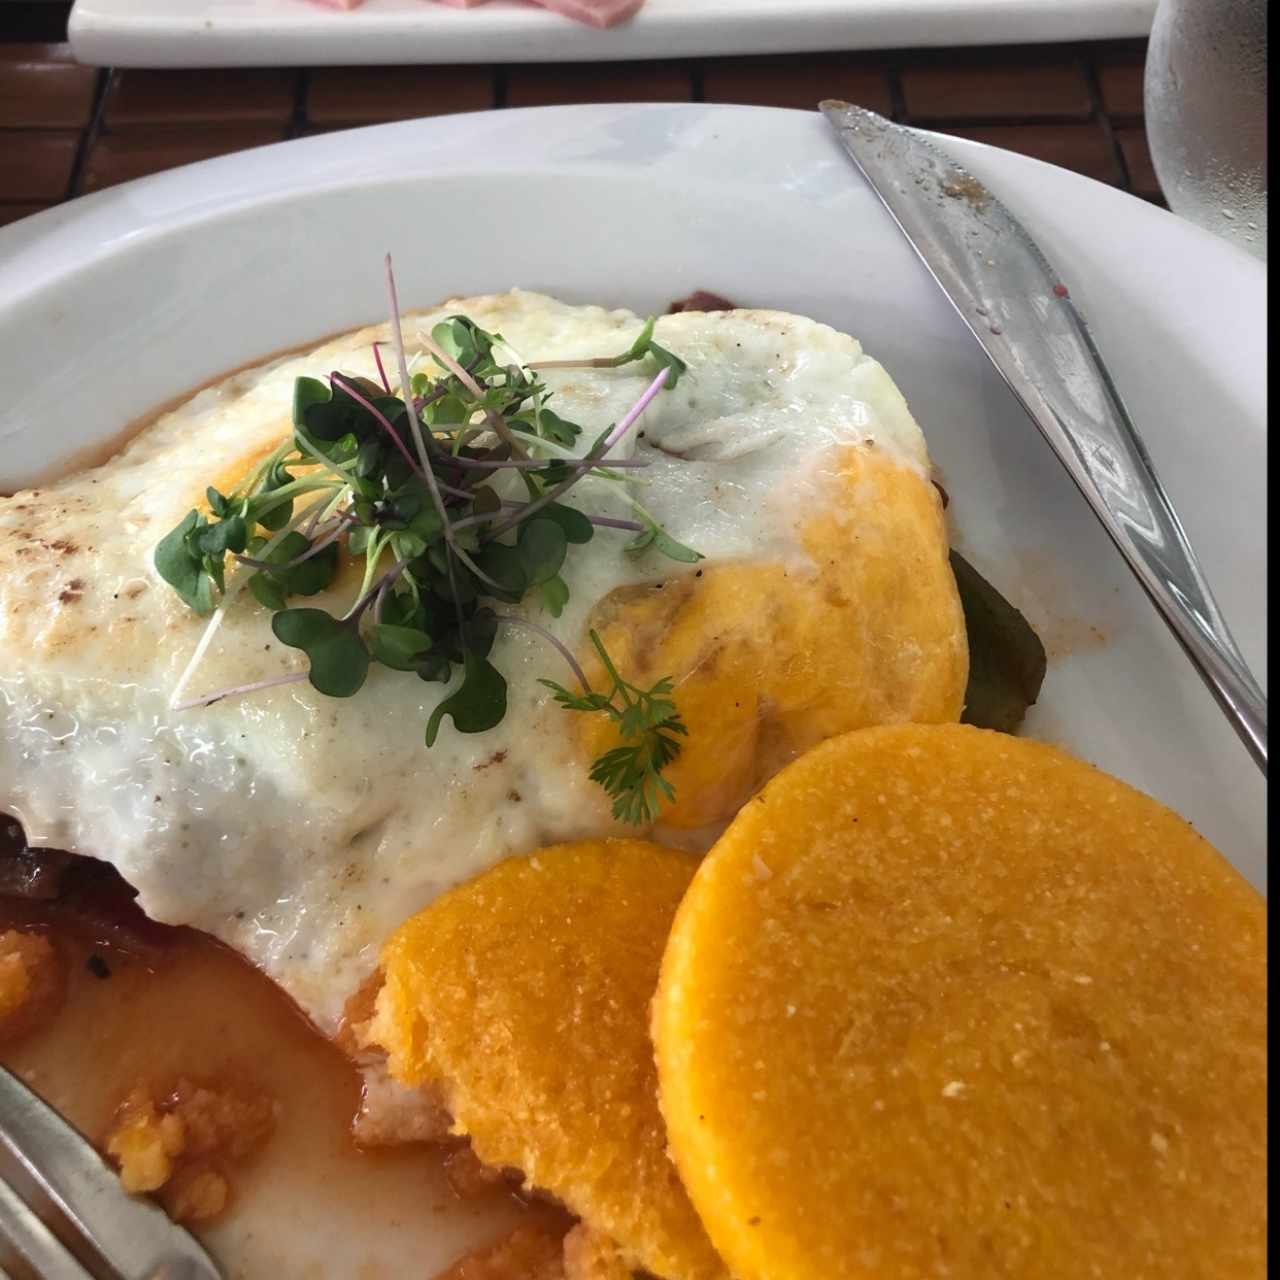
{"x":26,"y":233}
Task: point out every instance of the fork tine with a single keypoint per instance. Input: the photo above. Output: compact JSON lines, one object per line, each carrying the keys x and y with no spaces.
{"x":132,"y":1234}
{"x":34,"y":1241}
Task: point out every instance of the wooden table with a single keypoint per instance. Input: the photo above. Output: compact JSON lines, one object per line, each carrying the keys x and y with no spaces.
{"x":67,"y":129}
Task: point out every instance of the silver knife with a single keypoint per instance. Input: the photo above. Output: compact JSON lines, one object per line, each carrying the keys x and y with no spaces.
{"x":1013,"y":302}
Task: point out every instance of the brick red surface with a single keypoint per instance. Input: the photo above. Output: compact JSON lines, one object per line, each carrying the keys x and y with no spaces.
{"x":12,"y":212}
{"x":42,"y":88}
{"x":994,"y":85}
{"x":36,"y":164}
{"x":799,"y":81}
{"x":367,"y":95}
{"x":1137,"y":159}
{"x":1120,"y":67}
{"x":224,"y":95}
{"x":66,"y":129}
{"x":550,"y":84}
{"x":137,"y":152}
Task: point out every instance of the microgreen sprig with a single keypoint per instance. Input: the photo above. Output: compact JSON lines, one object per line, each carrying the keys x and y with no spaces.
{"x":650,"y":727}
{"x":420,"y":485}
{"x":643,"y":346}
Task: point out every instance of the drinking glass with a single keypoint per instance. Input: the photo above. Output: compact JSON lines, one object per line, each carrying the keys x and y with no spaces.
{"x":1206,"y":106}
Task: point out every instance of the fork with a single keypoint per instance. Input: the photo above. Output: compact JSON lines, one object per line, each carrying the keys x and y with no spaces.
{"x":99,"y":1231}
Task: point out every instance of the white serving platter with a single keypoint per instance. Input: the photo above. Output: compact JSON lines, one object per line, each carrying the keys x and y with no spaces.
{"x":122,"y":300}
{"x":245,"y":33}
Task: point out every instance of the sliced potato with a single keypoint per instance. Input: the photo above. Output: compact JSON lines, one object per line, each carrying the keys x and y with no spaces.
{"x":943,"y":1002}
{"x":524,"y":993}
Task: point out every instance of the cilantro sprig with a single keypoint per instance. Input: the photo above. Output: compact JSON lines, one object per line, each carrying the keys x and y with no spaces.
{"x":650,"y":727}
{"x":450,"y":492}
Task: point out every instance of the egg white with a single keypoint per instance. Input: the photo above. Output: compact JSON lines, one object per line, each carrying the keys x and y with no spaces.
{"x":302,"y":829}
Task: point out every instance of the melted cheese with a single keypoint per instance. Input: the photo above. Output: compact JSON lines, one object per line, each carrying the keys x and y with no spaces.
{"x":301,"y":829}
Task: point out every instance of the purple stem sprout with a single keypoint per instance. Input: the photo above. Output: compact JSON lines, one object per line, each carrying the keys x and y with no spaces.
{"x":592,"y":459}
{"x":530,"y":464}
{"x":601,"y":522}
{"x":333,"y":535}
{"x":608,"y":522}
{"x":382,"y":373}
{"x":255,"y":686}
{"x":381,"y":418}
{"x":353,"y":614}
{"x":563,"y":650}
{"x":407,"y":388}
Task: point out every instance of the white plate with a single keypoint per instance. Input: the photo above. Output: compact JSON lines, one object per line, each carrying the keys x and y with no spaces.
{"x":126,"y":298}
{"x":244,"y":33}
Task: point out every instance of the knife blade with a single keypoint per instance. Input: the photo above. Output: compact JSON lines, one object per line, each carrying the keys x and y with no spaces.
{"x":1015,"y":305}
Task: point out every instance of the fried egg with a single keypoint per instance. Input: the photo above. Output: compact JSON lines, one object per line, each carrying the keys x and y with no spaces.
{"x":302,"y":829}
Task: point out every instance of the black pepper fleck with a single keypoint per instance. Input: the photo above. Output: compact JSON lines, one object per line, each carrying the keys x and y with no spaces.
{"x":97,"y":966}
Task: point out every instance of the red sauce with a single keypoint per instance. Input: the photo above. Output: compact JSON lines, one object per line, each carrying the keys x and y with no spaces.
{"x":145,"y":1002}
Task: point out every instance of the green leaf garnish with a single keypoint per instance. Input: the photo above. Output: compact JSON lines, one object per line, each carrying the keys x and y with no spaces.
{"x":655,"y":536}
{"x":419,"y":488}
{"x":577,"y":528}
{"x":464,"y":340}
{"x":478,"y":704}
{"x":1006,"y":659}
{"x":644,"y":345}
{"x":507,"y":570}
{"x":401,"y":648}
{"x":339,"y":660}
{"x":273,"y":587}
{"x":649,"y":723}
{"x":308,"y":392}
{"x":640,"y":347}
{"x":665,"y":359}
{"x":269,"y":592}
{"x":229,"y":534}
{"x":182,"y":566}
{"x":542,"y":545}
{"x":555,"y":595}
{"x":551,"y":426}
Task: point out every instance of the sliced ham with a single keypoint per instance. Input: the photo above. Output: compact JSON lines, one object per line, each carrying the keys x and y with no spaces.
{"x":597,"y":13}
